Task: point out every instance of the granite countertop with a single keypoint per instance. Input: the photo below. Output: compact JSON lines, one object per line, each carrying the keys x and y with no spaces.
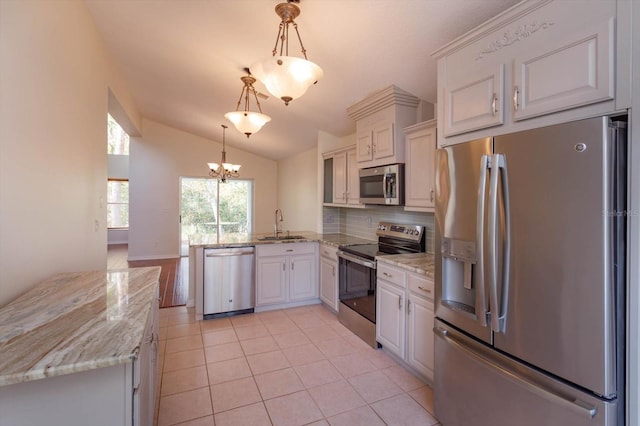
{"x":75,"y":322}
{"x":235,"y":240}
{"x":421,"y":263}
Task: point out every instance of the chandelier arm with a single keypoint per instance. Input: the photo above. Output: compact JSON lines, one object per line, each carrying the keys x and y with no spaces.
{"x":286,"y":39}
{"x":239,"y":100}
{"x":304,"y":51}
{"x":245,"y":90}
{"x":278,"y":39}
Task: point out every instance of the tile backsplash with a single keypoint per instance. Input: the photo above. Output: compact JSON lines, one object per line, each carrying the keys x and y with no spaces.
{"x":362,"y":222}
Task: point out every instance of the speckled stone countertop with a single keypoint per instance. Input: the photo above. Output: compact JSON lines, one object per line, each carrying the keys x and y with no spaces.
{"x":75,"y":322}
{"x":235,"y":240}
{"x":421,"y":263}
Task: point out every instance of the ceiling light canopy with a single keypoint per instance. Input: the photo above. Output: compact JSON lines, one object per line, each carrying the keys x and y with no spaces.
{"x":287,"y":77}
{"x":224,"y":170}
{"x":246,"y":121}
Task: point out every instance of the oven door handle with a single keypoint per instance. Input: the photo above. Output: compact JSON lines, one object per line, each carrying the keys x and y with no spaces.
{"x":356,"y":259}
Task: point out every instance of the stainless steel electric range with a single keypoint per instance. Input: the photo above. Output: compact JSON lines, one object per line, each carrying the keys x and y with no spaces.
{"x":357,"y":275}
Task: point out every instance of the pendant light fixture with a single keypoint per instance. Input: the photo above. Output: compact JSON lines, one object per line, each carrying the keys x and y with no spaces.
{"x":287,"y":77}
{"x":246,"y":121}
{"x":224,"y":170}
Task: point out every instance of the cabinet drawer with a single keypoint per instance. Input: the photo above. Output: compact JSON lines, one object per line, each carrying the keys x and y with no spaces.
{"x":286,"y":249}
{"x":328,"y":251}
{"x":393,"y":275}
{"x":421,"y":285}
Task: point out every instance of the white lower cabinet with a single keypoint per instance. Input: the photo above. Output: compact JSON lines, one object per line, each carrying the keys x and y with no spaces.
{"x":404,"y":321}
{"x":420,"y":334}
{"x":390,"y":317}
{"x":286,"y":273}
{"x":329,"y":276}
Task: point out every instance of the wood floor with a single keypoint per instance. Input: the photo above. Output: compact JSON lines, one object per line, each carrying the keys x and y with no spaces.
{"x":174,"y":276}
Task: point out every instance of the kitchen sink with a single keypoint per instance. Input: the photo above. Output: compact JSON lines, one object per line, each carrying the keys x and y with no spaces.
{"x":281,"y":237}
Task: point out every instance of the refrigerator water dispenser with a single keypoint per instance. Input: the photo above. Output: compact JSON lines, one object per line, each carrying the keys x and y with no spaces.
{"x":458,"y":258}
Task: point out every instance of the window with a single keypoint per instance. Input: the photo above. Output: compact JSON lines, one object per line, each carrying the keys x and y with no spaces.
{"x":214,"y":208}
{"x":117,"y":138}
{"x":117,"y":204}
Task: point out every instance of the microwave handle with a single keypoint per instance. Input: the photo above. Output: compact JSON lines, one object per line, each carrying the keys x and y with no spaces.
{"x":385,"y":194}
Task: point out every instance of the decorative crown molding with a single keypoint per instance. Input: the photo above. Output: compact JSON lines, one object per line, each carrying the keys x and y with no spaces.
{"x":513,"y":36}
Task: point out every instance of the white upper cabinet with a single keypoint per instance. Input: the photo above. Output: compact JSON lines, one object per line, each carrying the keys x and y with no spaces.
{"x":474,"y":100}
{"x":577,"y":71}
{"x":380,"y":119}
{"x":539,"y":63}
{"x":420,"y":145}
{"x":345,"y":180}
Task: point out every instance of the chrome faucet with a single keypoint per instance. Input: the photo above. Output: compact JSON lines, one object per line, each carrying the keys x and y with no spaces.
{"x":276,"y":231}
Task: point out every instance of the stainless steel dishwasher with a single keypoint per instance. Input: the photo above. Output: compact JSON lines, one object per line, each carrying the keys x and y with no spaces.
{"x":229,"y":281}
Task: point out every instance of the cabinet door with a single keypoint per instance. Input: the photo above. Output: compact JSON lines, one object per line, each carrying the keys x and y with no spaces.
{"x":353,"y":178}
{"x":271,"y":280}
{"x":340,"y":178}
{"x":474,"y":100}
{"x":420,"y":335}
{"x":303,"y":281}
{"x":329,"y":282}
{"x":577,"y":71}
{"x":420,"y":168}
{"x":363,"y":146}
{"x":383,"y":141}
{"x":390,"y":318}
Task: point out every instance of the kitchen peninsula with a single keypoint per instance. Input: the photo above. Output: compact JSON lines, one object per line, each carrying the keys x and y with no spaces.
{"x":268,"y":246}
{"x":81,"y":348}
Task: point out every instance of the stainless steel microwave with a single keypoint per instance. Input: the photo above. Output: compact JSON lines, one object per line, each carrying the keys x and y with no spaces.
{"x":382,"y":185}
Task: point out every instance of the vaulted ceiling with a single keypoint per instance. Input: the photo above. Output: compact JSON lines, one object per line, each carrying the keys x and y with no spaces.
{"x":183,"y":59}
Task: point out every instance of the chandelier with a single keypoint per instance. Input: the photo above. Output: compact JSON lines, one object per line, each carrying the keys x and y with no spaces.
{"x":246,"y":121}
{"x":287,"y":77}
{"x":224,"y":170}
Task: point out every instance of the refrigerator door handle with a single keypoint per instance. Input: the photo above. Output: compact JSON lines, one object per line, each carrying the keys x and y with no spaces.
{"x":492,"y":264}
{"x":578,"y":406}
{"x":481,"y":303}
{"x":498,"y":306}
{"x":506,"y":261}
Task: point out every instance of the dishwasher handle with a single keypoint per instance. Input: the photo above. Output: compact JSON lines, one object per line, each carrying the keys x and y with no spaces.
{"x":227,"y":252}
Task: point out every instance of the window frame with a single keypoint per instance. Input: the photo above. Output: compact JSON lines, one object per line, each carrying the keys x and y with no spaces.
{"x":128,"y":203}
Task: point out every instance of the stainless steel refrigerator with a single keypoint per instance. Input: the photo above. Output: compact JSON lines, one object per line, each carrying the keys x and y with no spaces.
{"x":530,"y":277}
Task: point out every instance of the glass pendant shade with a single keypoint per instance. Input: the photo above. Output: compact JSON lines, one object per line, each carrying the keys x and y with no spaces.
{"x":287,"y":77}
{"x":247,"y":122}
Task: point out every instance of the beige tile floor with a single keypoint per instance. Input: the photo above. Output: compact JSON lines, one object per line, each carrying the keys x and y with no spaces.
{"x":295,"y":366}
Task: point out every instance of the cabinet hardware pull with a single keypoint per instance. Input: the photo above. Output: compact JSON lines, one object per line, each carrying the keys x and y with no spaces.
{"x":516,"y":93}
{"x":408,"y":306}
{"x":424,"y":289}
{"x":399,"y":302}
{"x":494,"y":105}
{"x":289,"y":249}
{"x":387,"y":275}
{"x":283,"y":266}
{"x":431,"y":191}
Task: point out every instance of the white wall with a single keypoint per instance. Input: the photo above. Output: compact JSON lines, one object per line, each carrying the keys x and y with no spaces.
{"x":298,"y":191}
{"x":157,"y":161}
{"x":55,"y":76}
